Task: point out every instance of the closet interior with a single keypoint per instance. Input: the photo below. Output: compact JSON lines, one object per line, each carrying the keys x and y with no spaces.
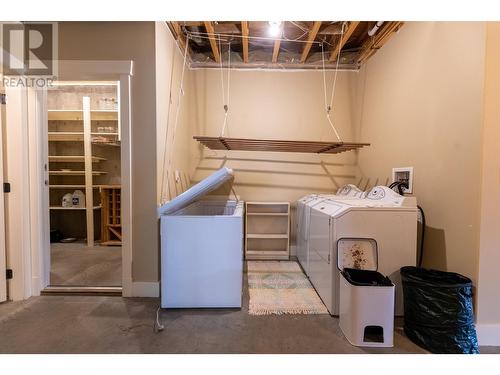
{"x":84,"y":183}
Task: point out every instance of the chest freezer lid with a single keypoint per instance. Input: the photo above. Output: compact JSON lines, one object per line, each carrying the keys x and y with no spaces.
{"x":357,"y":253}
{"x":197,"y":191}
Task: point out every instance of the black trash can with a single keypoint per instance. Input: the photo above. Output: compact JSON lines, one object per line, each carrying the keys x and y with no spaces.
{"x":438,"y":311}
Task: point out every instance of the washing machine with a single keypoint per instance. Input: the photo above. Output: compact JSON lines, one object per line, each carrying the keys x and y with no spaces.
{"x":303,"y":213}
{"x":304,"y":205}
{"x":383,"y":216}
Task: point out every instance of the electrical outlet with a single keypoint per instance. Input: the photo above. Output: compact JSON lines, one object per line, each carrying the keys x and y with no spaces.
{"x":404,"y":174}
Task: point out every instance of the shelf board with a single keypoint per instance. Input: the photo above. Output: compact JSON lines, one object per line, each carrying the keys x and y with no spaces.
{"x":267,"y":254}
{"x":65,"y":115}
{"x":267,"y":236}
{"x":105,"y":134}
{"x":60,"y":208}
{"x":267,"y":214}
{"x":75,"y":136}
{"x":77,"y":115}
{"x":75,"y":173}
{"x":73,"y":159}
{"x":104,"y":115}
{"x":66,"y":136}
{"x":72,"y":186}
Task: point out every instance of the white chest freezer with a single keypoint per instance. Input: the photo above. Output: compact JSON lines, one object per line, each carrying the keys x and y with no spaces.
{"x":202,"y":248}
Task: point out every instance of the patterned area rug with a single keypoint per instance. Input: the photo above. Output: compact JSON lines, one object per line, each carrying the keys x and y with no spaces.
{"x":280,"y":287}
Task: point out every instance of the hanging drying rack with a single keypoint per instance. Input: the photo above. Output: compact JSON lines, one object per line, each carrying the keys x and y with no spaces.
{"x":275,"y":145}
{"x":248,"y":144}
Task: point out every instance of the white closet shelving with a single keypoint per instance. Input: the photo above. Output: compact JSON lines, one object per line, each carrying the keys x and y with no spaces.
{"x":71,"y":136}
{"x":267,"y":230}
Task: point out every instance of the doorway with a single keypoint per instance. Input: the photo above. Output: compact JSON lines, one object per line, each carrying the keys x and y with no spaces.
{"x":3,"y":259}
{"x":84,"y":185}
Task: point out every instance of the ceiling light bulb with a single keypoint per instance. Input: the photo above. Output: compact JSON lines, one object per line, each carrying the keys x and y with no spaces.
{"x":274,"y":28}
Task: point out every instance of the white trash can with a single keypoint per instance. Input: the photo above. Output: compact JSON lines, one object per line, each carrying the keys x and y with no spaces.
{"x":366,"y":296}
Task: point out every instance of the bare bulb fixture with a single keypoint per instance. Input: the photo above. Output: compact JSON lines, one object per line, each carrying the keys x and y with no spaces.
{"x":274,"y":28}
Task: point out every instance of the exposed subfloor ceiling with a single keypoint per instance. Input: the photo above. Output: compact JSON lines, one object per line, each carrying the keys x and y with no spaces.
{"x":294,"y":44}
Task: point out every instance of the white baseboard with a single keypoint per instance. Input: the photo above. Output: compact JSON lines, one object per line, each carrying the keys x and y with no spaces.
{"x":488,"y":334}
{"x":293,"y":250}
{"x":145,"y":289}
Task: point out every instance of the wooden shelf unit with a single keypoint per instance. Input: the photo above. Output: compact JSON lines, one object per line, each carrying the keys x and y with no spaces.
{"x":267,"y":230}
{"x":111,"y":221}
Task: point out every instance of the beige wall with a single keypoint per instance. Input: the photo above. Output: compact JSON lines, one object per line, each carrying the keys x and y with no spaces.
{"x":419,"y":103}
{"x":488,"y":313}
{"x":169,"y":66}
{"x":129,"y":41}
{"x":279,"y":105}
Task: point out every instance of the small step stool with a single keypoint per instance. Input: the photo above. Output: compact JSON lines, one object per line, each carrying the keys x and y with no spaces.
{"x":366,"y":296}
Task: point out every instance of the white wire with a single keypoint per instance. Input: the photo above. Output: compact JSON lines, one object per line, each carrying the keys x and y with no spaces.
{"x":337,"y":66}
{"x":328,"y":108}
{"x":199,"y":34}
{"x":179,"y":102}
{"x":226,"y":103}
{"x":159,"y":326}
{"x":222,"y":76}
{"x":324,"y":75}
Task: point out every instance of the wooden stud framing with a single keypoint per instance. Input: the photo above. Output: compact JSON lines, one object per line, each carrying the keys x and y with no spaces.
{"x":244,"y":40}
{"x":276,"y":50}
{"x":371,"y":46}
{"x":180,"y":35}
{"x":310,"y":40}
{"x":336,"y":50}
{"x":213,"y":40}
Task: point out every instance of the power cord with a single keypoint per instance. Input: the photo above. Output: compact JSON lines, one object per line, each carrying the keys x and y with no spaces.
{"x":158,"y":326}
{"x":400,"y":186}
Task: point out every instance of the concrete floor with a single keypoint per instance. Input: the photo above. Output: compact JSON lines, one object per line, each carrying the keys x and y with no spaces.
{"x":75,"y":264}
{"x":85,"y":324}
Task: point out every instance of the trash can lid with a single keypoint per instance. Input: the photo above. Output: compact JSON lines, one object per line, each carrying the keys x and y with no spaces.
{"x":357,"y":253}
{"x":366,"y":278}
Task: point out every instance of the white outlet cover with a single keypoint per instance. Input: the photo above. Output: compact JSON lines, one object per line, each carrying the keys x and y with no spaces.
{"x":399,"y":173}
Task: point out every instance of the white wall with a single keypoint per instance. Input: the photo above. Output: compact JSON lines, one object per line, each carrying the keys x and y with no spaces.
{"x":175,"y":145}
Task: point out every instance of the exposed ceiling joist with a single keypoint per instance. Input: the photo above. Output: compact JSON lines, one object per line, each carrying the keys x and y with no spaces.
{"x":373,"y":44}
{"x":245,"y":33}
{"x":310,"y":39}
{"x":295,"y":48}
{"x":276,"y":50}
{"x":343,"y":40}
{"x":181,"y":38}
{"x":213,"y":41}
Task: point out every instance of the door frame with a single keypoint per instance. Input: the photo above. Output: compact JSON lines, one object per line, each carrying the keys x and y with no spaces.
{"x":3,"y":254}
{"x":32,"y":280}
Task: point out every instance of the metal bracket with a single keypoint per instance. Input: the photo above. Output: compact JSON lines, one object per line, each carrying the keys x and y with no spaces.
{"x":3,"y":98}
{"x":6,"y":187}
{"x":9,"y":274}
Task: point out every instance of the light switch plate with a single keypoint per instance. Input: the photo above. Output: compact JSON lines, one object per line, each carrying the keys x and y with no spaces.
{"x":404,"y":174}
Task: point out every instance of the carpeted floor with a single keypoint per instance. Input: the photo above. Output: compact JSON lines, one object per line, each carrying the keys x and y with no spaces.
{"x":75,"y":264}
